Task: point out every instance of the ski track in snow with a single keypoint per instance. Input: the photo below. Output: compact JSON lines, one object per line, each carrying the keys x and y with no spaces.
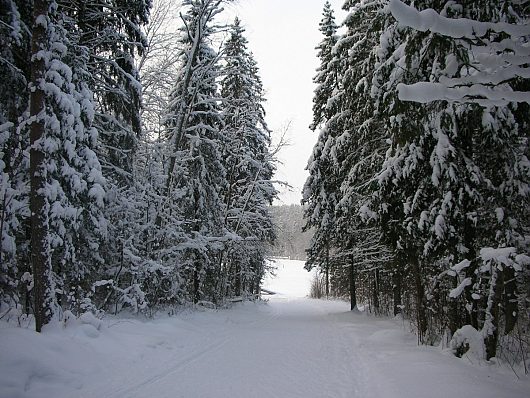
{"x":290,"y":351}
{"x":291,"y":346}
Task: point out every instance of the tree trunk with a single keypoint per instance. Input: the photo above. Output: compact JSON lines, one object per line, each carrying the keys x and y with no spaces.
{"x":420,"y":298}
{"x":510,"y":299}
{"x":237,"y":282}
{"x":491,"y":321}
{"x":196,"y":283}
{"x":180,"y":124}
{"x":353,"y":294}
{"x":454,"y":317}
{"x":40,"y":253}
{"x":469,"y":238}
{"x":472,"y":313}
{"x":396,"y":290}
{"x":376,"y":292}
{"x":327,"y":272}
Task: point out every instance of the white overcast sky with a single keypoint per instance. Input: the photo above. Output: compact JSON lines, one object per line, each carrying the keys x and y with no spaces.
{"x":283,"y":35}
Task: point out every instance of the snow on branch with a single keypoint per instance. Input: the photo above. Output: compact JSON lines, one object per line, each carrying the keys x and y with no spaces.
{"x":491,"y":65}
{"x":456,"y":269}
{"x":456,"y":292}
{"x":457,"y":28}
{"x":425,"y":92}
{"x":506,"y":256}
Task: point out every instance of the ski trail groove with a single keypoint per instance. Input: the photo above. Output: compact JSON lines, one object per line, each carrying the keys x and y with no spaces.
{"x":179,"y":365}
{"x":286,"y":348}
{"x":195,"y":356}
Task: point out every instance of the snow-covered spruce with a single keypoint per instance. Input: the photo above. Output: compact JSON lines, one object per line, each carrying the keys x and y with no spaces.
{"x":435,"y":179}
{"x":319,"y":193}
{"x":249,"y":168}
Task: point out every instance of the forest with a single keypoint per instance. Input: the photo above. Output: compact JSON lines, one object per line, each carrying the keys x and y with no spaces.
{"x":137,"y":166}
{"x":418,"y":192}
{"x":135,"y":160}
{"x":291,"y":242}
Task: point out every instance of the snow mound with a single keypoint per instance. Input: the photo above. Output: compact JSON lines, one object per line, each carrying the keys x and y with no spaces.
{"x":469,"y":342}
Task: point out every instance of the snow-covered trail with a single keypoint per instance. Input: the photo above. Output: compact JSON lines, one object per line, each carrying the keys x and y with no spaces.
{"x":289,"y":347}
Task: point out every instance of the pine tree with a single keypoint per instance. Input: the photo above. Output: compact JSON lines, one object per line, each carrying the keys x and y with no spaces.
{"x":14,"y":69}
{"x":83,"y":31}
{"x":249,"y":168}
{"x":326,"y":78}
{"x":111,"y":31}
{"x":321,"y":188}
{"x":66,"y":183}
{"x":195,"y":172}
{"x":40,"y":245}
{"x":442,"y":199}
{"x":360,"y":144}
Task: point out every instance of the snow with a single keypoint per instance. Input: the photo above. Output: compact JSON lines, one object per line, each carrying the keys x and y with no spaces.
{"x":504,"y":255}
{"x":424,"y":92}
{"x":42,"y":21}
{"x":461,"y":27}
{"x":462,"y":265}
{"x":499,"y":212}
{"x":491,"y":64}
{"x":457,"y":291}
{"x":439,"y":226}
{"x":472,"y":338}
{"x":289,"y":279}
{"x":500,"y":255}
{"x":290,"y":346}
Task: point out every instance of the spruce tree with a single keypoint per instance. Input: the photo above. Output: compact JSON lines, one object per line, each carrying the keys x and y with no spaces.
{"x":111,"y":31}
{"x":14,"y":69}
{"x":360,"y":144}
{"x":321,"y":188}
{"x":66,"y":183}
{"x":443,"y":200}
{"x":249,"y":168}
{"x":195,"y":172}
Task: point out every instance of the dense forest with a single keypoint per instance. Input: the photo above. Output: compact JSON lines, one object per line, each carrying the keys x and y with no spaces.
{"x":136,"y":164}
{"x":135,"y":169}
{"x":418,"y":190}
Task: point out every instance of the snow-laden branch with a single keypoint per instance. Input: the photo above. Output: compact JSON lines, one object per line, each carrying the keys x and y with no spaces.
{"x":457,"y":28}
{"x":491,"y":64}
{"x":425,"y":92}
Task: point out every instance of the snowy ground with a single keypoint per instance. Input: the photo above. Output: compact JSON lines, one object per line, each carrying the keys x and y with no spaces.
{"x":290,"y":347}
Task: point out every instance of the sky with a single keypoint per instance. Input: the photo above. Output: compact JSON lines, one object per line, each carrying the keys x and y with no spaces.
{"x":283,"y":35}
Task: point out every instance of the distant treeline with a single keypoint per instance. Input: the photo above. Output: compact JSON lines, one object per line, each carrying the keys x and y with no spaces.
{"x":291,"y":241}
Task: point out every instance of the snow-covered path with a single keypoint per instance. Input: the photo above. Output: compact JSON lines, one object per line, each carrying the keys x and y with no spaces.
{"x":285,"y":349}
{"x":288,"y":347}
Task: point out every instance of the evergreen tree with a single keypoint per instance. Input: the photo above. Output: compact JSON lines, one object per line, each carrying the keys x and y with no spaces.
{"x":326,"y":78}
{"x":111,"y":30}
{"x":14,"y":69}
{"x":321,"y":188}
{"x":112,"y":33}
{"x":290,"y":241}
{"x":430,"y":197}
{"x":195,"y":172}
{"x":249,"y":168}
{"x":440,"y":196}
{"x":66,"y":183}
{"x":360,"y":144}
